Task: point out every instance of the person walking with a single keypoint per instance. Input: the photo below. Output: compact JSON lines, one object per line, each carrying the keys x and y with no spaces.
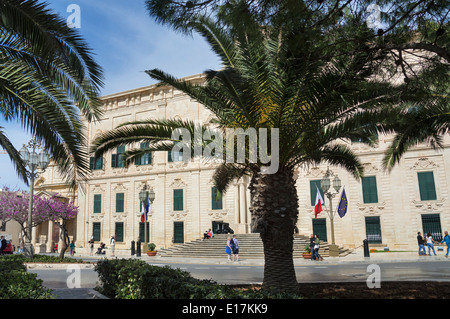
{"x":228,"y":249}
{"x":113,"y":245}
{"x":421,"y":243}
{"x":72,"y":248}
{"x":446,"y":240}
{"x":91,"y":246}
{"x":235,"y":247}
{"x":430,"y":244}
{"x":2,"y":245}
{"x":311,"y":246}
{"x":316,"y":248}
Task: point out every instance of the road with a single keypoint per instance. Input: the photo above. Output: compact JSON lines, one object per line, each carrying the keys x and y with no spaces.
{"x":236,"y":274}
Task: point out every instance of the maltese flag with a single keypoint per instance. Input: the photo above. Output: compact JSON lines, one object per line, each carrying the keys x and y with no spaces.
{"x":143,"y":214}
{"x":319,"y":203}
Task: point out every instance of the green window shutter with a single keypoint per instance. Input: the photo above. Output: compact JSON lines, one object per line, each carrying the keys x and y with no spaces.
{"x":120,"y":156}
{"x":313,"y":185}
{"x":119,"y":202}
{"x":145,"y":159}
{"x":142,"y":232}
{"x":426,"y":186}
{"x":91,"y":162}
{"x":119,"y":232}
{"x":97,"y":203}
{"x":177,"y":199}
{"x":169,"y":157}
{"x":369,"y":189}
{"x":113,"y":160}
{"x":216,"y":198}
{"x":96,"y":231}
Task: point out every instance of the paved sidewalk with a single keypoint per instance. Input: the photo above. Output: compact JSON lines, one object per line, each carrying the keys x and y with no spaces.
{"x":357,"y":256}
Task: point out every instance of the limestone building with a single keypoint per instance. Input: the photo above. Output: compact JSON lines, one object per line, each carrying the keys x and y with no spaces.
{"x":388,"y":209}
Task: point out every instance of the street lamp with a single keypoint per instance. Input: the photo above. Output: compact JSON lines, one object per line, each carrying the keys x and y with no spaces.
{"x":34,"y":161}
{"x":325,"y":185}
{"x":145,"y":195}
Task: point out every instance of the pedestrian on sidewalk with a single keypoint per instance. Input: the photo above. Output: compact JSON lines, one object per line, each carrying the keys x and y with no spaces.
{"x":235,"y":247}
{"x":311,"y":246}
{"x":113,"y":245}
{"x":430,"y":244}
{"x":421,"y":243}
{"x":316,"y":248}
{"x":91,"y":246}
{"x":228,"y":249}
{"x":72,"y":248}
{"x":446,"y":240}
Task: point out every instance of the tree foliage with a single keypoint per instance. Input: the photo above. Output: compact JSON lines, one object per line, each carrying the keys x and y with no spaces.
{"x":48,"y":81}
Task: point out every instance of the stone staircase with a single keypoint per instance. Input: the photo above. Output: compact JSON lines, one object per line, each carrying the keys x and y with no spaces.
{"x":250,"y":246}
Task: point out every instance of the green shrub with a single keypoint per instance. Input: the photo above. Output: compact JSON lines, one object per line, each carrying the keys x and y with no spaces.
{"x":135,"y":279}
{"x":17,"y":283}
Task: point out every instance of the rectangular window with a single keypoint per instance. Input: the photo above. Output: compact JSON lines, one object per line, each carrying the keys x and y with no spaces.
{"x":426,"y":186}
{"x":119,"y":232}
{"x":216,"y":198}
{"x":178,"y":232}
{"x":369,"y":189}
{"x":177,"y":199}
{"x":96,"y":231}
{"x":373,"y":230}
{"x":174,"y":156}
{"x":145,"y":159}
{"x":95,"y":163}
{"x":431,"y":223}
{"x":118,"y":159}
{"x":313,"y":185}
{"x":142,"y":232}
{"x":120,"y":202}
{"x":320,"y":228}
{"x":97,"y":203}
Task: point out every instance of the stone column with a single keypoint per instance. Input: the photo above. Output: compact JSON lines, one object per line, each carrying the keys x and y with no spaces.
{"x":49,"y":248}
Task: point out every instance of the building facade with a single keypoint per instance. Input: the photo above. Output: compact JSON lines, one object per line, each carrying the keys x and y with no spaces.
{"x":386,"y":208}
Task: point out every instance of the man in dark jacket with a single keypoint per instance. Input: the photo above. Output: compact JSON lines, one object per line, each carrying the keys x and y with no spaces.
{"x":3,"y":245}
{"x":421,"y":243}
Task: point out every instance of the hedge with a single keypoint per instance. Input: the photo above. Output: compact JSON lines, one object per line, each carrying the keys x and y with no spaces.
{"x":135,"y":279}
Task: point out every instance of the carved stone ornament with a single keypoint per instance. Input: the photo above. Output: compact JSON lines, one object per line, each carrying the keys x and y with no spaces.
{"x":217,"y":214}
{"x":429,"y":206}
{"x":371,"y":209}
{"x":178,"y":215}
{"x":424,"y":163}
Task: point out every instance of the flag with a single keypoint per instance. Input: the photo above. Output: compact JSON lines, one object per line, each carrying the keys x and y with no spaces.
{"x":143,"y":213}
{"x":319,"y":202}
{"x":343,"y":204}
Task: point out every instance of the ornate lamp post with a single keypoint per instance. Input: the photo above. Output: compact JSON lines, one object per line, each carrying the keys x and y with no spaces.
{"x":325,"y":185}
{"x":34,"y":162}
{"x":144,"y":195}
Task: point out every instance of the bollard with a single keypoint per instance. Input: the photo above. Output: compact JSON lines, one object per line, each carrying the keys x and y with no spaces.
{"x":366,"y":248}
{"x":138,"y":249}
{"x":133,"y":249}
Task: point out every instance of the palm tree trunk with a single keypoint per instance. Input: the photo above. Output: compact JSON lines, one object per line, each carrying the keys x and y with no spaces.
{"x":274,"y":208}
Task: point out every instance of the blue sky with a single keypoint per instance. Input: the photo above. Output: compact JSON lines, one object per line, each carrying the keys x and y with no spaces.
{"x":126,"y":42}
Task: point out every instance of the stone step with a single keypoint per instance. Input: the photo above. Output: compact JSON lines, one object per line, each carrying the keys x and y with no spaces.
{"x":250,"y":246}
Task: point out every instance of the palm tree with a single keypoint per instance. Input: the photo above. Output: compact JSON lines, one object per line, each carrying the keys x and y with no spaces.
{"x":316,"y":107}
{"x":48,"y":81}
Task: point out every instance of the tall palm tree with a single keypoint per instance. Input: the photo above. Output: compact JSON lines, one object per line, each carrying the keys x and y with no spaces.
{"x":48,"y":81}
{"x":316,"y":107}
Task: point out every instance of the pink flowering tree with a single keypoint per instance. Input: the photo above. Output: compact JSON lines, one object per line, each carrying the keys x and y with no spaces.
{"x":14,"y":206}
{"x":60,"y":212}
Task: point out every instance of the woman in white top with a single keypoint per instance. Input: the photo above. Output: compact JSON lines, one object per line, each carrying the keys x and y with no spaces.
{"x":113,"y":245}
{"x":430,"y":244}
